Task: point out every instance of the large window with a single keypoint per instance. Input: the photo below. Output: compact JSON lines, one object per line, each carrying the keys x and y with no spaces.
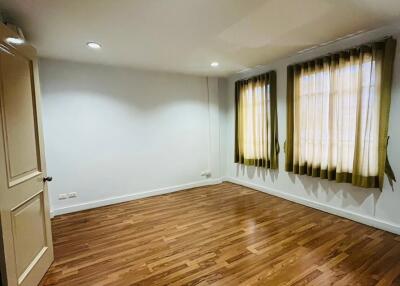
{"x":338,"y":110}
{"x":256,"y":121}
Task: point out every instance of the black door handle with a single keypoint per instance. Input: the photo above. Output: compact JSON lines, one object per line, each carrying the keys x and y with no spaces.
{"x":47,"y":179}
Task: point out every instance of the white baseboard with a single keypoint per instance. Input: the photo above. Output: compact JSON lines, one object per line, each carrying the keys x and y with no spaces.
{"x":368,"y":220}
{"x":130,"y":197}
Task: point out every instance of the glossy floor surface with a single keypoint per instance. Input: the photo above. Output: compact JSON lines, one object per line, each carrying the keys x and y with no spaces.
{"x":219,"y":235}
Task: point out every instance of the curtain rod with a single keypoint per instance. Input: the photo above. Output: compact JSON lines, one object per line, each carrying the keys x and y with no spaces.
{"x":255,"y":76}
{"x":343,"y":50}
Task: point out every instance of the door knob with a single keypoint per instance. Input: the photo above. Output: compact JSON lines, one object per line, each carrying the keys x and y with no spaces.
{"x":47,"y":179}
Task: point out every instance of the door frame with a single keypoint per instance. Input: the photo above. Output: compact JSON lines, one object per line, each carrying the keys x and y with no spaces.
{"x":3,"y":273}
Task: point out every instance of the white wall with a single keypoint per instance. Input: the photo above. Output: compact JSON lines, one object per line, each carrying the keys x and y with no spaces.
{"x":114,"y":134}
{"x":381,"y":209}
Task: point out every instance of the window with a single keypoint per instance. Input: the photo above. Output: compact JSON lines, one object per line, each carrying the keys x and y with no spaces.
{"x":256,"y":121}
{"x":338,"y":110}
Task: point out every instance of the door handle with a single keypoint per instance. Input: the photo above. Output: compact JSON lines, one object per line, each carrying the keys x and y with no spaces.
{"x":47,"y":179}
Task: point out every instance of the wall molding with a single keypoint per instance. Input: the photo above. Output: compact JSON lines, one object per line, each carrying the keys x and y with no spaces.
{"x":130,"y":197}
{"x":368,"y":220}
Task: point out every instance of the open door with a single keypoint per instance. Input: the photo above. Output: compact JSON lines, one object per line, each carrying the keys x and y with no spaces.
{"x":25,"y":221}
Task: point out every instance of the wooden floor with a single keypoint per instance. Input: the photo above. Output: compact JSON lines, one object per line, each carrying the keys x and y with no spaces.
{"x":219,"y":235}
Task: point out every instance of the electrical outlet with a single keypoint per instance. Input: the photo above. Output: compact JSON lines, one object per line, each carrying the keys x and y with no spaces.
{"x":206,"y":174}
{"x":62,"y":196}
{"x":72,"y":195}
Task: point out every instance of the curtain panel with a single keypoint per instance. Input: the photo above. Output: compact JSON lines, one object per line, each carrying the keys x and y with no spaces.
{"x":338,"y":113}
{"x":256,"y":121}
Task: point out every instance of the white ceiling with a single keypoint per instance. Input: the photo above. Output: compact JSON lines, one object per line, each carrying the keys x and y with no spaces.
{"x":187,"y":35}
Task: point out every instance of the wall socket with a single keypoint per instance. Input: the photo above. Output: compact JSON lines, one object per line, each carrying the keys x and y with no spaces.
{"x":67,"y":196}
{"x":72,"y":195}
{"x":206,"y":174}
{"x":62,"y":196}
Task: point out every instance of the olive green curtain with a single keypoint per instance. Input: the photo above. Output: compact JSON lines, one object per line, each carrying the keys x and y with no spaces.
{"x":338,"y":113}
{"x":256,"y":121}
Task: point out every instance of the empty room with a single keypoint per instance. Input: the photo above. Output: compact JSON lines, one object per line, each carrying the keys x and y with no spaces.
{"x":199,"y":142}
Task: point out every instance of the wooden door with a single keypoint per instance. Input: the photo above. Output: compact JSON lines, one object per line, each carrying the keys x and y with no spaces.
{"x":25,"y":220}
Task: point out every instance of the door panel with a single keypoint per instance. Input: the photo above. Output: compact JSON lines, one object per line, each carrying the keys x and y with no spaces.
{"x":24,"y":209}
{"x":27,"y":219}
{"x":18,"y":119}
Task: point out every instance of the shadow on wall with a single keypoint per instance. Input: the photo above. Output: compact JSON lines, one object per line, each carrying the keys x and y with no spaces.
{"x":262,"y":173}
{"x":350,"y":196}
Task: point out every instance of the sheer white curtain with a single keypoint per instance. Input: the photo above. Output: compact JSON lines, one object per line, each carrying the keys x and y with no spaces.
{"x":337,"y":106}
{"x":338,"y":112}
{"x":255,"y":121}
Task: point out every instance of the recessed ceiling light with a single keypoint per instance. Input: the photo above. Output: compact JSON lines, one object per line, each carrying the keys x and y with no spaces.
{"x":93,"y":45}
{"x":214,"y":64}
{"x":15,"y":41}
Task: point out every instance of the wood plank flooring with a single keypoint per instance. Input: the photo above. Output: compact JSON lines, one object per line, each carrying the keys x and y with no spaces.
{"x":219,"y":235}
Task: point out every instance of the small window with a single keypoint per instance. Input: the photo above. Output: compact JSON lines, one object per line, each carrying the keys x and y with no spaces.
{"x":256,"y":121}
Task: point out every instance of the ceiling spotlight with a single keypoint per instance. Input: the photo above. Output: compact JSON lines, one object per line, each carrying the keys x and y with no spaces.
{"x":15,"y":41}
{"x":214,"y":64}
{"x":93,"y":45}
